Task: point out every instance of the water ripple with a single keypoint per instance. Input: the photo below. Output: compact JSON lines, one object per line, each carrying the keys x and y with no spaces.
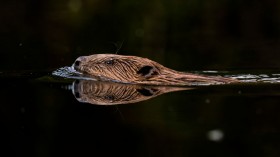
{"x":70,"y":72}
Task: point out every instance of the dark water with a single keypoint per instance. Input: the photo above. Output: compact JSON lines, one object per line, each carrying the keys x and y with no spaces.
{"x":40,"y":116}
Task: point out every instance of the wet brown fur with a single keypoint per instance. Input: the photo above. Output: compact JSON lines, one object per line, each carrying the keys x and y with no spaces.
{"x":138,"y":70}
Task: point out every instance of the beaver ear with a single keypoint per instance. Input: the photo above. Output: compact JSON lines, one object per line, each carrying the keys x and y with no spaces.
{"x":147,"y":71}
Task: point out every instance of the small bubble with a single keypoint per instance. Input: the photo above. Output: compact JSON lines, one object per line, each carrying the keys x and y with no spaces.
{"x":20,"y":44}
{"x":207,"y":101}
{"x":239,"y":92}
{"x":215,"y":135}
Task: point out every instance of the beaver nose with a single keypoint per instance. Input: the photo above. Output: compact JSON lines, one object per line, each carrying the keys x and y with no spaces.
{"x":78,"y":61}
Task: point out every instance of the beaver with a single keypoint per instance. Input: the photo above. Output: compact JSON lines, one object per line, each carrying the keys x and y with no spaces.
{"x":112,"y":93}
{"x":138,"y":70}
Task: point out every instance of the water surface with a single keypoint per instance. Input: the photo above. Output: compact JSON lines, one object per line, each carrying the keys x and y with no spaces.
{"x":41,"y":116}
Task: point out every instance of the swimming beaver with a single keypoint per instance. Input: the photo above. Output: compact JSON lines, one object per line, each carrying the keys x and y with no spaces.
{"x":138,"y":70}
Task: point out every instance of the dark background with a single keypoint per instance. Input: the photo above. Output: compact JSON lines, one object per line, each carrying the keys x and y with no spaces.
{"x":185,"y":35}
{"x":41,"y":117}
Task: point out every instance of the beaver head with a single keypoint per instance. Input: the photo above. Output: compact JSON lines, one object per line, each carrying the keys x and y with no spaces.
{"x":127,"y":69}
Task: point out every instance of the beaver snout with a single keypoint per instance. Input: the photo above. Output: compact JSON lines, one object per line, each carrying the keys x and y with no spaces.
{"x":76,"y":65}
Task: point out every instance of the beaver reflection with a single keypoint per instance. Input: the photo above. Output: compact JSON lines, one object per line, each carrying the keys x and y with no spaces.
{"x":110,"y":93}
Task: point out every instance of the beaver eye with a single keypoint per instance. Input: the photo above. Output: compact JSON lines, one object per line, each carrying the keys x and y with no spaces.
{"x":77,"y":63}
{"x":109,"y":62}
